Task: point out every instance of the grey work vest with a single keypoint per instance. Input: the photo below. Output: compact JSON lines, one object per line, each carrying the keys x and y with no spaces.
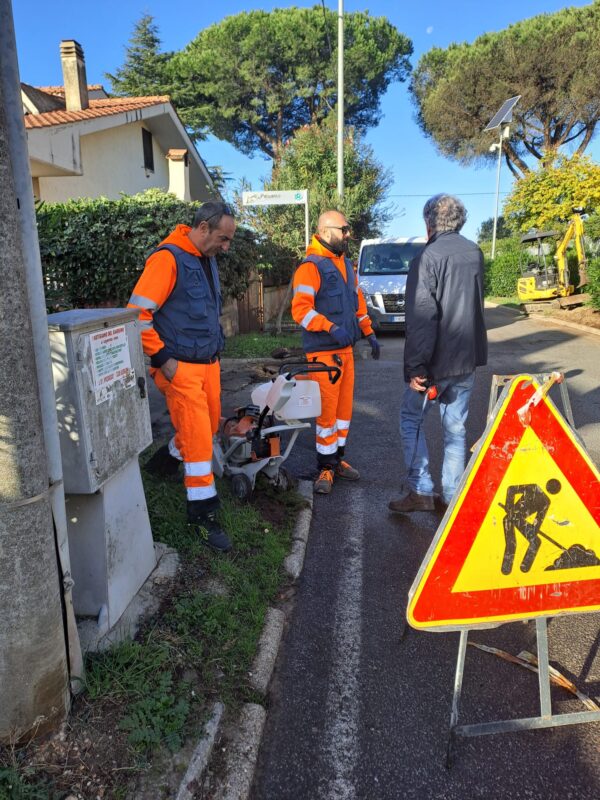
{"x":188,"y":322}
{"x":337,"y":299}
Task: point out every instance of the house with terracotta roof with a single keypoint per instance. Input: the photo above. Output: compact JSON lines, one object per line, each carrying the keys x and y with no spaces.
{"x":83,"y":143}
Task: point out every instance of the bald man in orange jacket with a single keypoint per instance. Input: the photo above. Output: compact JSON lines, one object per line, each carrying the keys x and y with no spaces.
{"x":331,"y":309}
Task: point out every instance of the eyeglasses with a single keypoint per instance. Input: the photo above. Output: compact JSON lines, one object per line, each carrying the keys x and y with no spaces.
{"x":226,"y":212}
{"x":343,"y":228}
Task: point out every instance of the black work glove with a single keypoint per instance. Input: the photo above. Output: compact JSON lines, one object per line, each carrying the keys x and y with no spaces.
{"x":341,"y":335}
{"x":375,"y":346}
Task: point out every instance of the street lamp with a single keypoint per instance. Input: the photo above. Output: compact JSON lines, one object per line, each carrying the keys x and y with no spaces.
{"x":504,"y":132}
{"x":340,"y":103}
{"x":500,"y":120}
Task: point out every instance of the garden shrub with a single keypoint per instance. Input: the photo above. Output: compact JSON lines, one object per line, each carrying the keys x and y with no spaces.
{"x":93,"y":250}
{"x":593,"y":286}
{"x":502,"y":272}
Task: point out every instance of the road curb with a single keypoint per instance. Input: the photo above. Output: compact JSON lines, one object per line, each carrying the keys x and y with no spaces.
{"x":268,"y":647}
{"x":243,"y":754}
{"x":201,"y":755}
{"x":295,"y":561}
{"x":548,"y":320}
{"x":563,"y":323}
{"x":243,"y":751}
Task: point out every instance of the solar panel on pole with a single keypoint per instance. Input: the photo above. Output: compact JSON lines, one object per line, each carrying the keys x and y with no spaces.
{"x":504,"y":114}
{"x":501,"y":118}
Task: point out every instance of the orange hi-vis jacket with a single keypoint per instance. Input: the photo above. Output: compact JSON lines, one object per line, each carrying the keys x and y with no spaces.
{"x":154,"y":288}
{"x":193,"y":394}
{"x":307,"y":282}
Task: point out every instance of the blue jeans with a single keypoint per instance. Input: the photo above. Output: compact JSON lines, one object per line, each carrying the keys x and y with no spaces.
{"x":453,"y":398}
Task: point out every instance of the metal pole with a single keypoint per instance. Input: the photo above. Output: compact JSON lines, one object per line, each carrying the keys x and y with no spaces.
{"x":543,"y":667}
{"x":306,"y":221}
{"x":497,"y":192}
{"x":340,"y":129}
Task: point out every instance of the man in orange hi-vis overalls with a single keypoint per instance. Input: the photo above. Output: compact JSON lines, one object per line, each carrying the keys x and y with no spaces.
{"x":179,"y":297}
{"x":331,"y":309}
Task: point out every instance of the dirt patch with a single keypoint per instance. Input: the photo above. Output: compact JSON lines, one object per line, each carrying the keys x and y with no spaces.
{"x":85,"y":758}
{"x":582,"y":316}
{"x":90,"y":757}
{"x":275,"y":513}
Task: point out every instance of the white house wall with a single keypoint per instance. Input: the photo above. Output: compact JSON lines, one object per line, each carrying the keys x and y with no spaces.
{"x":113,"y":162}
{"x":54,"y":151}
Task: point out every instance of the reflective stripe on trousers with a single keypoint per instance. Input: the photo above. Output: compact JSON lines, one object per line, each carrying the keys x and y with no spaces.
{"x":194,"y":402}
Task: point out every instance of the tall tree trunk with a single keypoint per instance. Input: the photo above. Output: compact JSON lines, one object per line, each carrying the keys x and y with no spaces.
{"x":33,"y":660}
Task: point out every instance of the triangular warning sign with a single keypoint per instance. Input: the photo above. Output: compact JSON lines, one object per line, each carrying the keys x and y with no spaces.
{"x":522,"y":537}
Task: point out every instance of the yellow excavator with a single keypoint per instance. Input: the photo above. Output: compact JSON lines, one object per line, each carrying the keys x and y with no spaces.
{"x":548,"y":279}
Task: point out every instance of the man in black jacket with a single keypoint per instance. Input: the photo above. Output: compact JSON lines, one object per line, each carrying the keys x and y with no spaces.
{"x":445,"y":340}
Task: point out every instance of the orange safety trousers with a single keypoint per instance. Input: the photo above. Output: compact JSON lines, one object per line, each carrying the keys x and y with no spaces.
{"x":194,"y":402}
{"x":336,"y":405}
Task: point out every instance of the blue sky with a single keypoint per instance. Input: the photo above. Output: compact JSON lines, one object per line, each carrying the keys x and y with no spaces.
{"x":103,"y":29}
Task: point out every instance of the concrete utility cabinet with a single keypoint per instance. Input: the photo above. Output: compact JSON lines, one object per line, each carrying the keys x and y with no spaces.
{"x":104,"y":423}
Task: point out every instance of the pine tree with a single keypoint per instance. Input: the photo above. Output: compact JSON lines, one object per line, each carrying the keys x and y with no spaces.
{"x":143,"y":72}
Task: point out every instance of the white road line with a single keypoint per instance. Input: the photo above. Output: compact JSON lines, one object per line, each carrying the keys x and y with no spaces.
{"x":341,"y":743}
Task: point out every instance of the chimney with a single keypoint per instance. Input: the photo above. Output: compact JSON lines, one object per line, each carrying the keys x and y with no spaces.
{"x":179,"y":174}
{"x":73,"y":67}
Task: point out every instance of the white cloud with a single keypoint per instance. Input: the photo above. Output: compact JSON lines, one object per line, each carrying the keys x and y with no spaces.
{"x":429,"y":29}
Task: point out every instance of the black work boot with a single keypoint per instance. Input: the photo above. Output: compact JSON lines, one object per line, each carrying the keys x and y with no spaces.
{"x":162,"y":464}
{"x":202,"y":516}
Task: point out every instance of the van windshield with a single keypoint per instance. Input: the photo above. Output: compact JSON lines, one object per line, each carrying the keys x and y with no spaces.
{"x":390,"y":258}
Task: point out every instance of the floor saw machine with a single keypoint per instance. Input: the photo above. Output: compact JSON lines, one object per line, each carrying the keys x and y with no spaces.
{"x":260,"y":437}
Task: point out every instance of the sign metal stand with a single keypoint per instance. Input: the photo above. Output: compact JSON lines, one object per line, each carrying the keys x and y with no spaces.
{"x":546,"y":719}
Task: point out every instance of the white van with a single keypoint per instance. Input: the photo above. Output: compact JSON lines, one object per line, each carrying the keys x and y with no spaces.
{"x":382,"y":269}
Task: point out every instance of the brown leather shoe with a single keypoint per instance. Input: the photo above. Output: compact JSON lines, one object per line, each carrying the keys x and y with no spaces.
{"x":324,"y":483}
{"x":344,"y":470}
{"x":412,"y":502}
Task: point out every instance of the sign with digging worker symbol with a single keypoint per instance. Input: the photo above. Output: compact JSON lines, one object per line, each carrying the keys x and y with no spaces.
{"x":522,"y":537}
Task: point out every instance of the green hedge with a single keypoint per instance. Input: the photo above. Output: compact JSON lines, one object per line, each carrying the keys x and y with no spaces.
{"x":502,"y":273}
{"x":94,"y":250}
{"x":594,"y":285}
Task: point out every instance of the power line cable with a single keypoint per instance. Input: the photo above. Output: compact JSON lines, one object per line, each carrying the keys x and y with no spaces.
{"x":462,"y":194}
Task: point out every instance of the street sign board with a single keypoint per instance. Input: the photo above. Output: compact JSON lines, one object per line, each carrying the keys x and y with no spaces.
{"x":522,"y":537}
{"x":504,"y":114}
{"x":273,"y":198}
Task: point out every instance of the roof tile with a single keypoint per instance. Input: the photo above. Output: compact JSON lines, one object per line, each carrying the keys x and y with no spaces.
{"x":60,"y":90}
{"x":98,"y":108}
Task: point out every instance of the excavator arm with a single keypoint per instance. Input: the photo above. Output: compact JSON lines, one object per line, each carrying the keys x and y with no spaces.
{"x":574,"y":231}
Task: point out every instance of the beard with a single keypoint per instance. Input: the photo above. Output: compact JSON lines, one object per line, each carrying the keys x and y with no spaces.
{"x":340,"y":248}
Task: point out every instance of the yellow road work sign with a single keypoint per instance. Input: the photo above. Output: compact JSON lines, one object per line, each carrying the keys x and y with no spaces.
{"x":522,"y":538}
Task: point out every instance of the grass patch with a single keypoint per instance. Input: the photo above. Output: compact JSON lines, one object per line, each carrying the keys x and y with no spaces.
{"x":14,"y":786}
{"x":145,"y":697}
{"x":509,"y":302}
{"x":258,"y":345}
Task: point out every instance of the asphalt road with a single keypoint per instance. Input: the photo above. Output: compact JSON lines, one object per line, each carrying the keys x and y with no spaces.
{"x":360,"y":712}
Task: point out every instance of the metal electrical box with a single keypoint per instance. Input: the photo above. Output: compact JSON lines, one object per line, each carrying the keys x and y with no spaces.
{"x":104,"y":423}
{"x":101,"y":393}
